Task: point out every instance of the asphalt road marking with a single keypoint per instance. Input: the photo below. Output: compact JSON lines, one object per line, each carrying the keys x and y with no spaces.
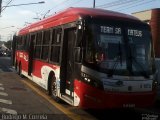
{"x":5,"y":101}
{"x":12,"y":69}
{"x":3,"y":94}
{"x":8,"y":111}
{"x":66,"y":111}
{"x":1,"y":88}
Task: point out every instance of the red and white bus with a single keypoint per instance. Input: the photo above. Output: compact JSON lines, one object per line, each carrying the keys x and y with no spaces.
{"x":91,"y":58}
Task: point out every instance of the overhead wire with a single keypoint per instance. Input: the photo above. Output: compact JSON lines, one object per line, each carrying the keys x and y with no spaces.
{"x":66,"y":3}
{"x":57,"y":5}
{"x":124,"y":3}
{"x":73,"y":3}
{"x":63,"y":2}
{"x":3,"y":8}
{"x":137,"y":5}
{"x":115,"y":3}
{"x":128,"y":4}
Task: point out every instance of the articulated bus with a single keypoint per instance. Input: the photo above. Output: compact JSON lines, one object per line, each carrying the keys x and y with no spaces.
{"x":91,"y":58}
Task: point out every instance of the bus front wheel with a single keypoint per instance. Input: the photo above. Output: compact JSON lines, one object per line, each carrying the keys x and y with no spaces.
{"x":53,"y":89}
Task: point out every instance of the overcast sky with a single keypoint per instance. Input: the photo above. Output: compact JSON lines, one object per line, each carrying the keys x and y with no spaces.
{"x":20,"y":16}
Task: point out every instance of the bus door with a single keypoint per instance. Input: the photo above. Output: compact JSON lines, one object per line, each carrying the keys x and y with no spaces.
{"x":67,"y":62}
{"x":30,"y":53}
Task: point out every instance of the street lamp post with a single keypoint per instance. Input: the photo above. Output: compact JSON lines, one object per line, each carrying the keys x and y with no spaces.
{"x":7,"y":27}
{"x":2,"y":8}
{"x":24,"y":4}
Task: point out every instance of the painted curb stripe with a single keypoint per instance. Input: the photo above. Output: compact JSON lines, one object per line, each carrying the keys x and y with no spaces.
{"x":70,"y":114}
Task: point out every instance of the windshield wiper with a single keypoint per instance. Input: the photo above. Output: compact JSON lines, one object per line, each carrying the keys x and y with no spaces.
{"x":118,"y":57}
{"x":143,"y":72}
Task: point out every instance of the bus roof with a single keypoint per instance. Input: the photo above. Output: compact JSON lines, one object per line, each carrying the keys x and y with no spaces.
{"x":72,"y":14}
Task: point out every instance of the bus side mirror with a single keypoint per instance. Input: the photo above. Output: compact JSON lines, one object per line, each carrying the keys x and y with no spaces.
{"x":77,"y":54}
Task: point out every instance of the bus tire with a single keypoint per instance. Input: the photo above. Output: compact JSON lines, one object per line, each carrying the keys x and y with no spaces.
{"x":53,"y":89}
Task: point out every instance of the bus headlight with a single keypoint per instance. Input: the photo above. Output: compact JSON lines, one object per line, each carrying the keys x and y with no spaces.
{"x":155,"y":84}
{"x":155,"y":81}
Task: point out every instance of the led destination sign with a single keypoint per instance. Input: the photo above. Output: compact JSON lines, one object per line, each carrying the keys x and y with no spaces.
{"x":110,"y":30}
{"x":136,"y":33}
{"x":118,"y":31}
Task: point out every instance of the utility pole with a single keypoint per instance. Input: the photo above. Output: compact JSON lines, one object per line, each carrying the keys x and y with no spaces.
{"x":94,"y":2}
{"x":46,"y":14}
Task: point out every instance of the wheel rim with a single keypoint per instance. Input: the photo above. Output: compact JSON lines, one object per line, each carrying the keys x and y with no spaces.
{"x":53,"y":88}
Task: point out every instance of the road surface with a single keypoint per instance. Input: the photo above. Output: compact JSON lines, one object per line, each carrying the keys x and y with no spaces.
{"x":24,"y":99}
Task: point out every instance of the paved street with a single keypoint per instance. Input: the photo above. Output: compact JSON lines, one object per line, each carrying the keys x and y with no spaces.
{"x":20,"y":96}
{"x":16,"y":98}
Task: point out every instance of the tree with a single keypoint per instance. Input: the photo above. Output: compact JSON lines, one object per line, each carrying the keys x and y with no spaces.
{"x":8,"y":44}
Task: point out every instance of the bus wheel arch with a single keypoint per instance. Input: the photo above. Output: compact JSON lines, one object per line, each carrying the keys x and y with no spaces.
{"x":52,"y":90}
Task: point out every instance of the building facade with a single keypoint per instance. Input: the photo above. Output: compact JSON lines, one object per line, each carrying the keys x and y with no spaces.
{"x":152,"y":17}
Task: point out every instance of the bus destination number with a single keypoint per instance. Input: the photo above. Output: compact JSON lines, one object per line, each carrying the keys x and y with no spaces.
{"x":136,"y":33}
{"x":110,"y":30}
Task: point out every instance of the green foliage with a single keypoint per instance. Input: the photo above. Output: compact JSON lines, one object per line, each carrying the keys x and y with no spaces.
{"x":8,"y":44}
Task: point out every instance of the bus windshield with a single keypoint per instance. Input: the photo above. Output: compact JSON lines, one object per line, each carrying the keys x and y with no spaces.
{"x":119,"y":49}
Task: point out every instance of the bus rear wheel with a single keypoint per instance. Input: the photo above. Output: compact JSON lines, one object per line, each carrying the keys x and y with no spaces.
{"x":53,"y":89}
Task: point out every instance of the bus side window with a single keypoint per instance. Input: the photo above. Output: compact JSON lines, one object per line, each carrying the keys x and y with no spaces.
{"x":56,"y":38}
{"x":55,"y":45}
{"x":37,"y":44}
{"x":78,"y":49}
{"x":45,"y":45}
{"x":25,"y":43}
{"x":38,"y":39}
{"x":20,"y":43}
{"x":79,"y":38}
